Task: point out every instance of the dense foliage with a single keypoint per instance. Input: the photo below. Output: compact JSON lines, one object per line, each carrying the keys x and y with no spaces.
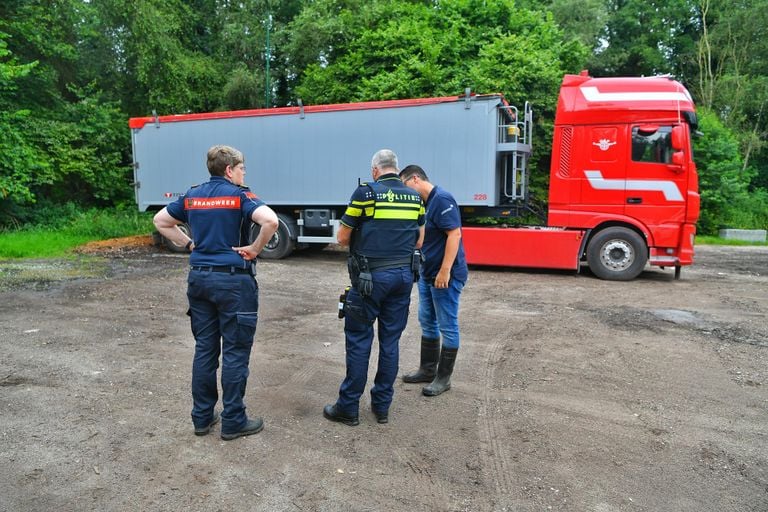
{"x":73,"y":71}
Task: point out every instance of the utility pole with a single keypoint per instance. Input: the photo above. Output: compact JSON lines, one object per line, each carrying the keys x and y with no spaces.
{"x":267,"y":58}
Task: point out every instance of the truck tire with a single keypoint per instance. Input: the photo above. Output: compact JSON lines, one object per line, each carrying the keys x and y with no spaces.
{"x":281,"y":244}
{"x":617,"y":254}
{"x":173,"y":246}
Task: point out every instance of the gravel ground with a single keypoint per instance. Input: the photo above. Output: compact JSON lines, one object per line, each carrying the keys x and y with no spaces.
{"x":570,"y":393}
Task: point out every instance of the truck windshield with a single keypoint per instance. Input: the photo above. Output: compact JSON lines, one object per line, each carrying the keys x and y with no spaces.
{"x":653,"y":147}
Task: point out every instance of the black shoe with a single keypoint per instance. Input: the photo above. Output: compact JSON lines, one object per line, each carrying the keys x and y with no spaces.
{"x":251,"y":427}
{"x":201,"y":431}
{"x":332,"y":413}
{"x":381,"y":417}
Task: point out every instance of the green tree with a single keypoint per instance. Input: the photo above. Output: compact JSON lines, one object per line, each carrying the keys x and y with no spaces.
{"x":647,"y":37}
{"x":390,"y":50}
{"x":64,"y":140}
{"x":724,"y":185}
{"x":242,"y":47}
{"x":175,"y":78}
{"x":17,"y":155}
{"x":733,"y":74}
{"x":580,"y":20}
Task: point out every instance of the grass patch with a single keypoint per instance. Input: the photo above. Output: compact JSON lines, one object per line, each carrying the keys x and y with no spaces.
{"x":56,"y":242}
{"x":40,"y":243}
{"x":716,"y":240}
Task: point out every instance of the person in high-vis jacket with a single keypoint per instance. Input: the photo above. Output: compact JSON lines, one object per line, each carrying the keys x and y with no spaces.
{"x":221,"y":286}
{"x":383,"y":227}
{"x":443,"y":275}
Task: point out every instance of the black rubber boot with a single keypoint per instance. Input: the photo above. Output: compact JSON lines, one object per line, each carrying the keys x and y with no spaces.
{"x":442,"y":382}
{"x":430,"y":353}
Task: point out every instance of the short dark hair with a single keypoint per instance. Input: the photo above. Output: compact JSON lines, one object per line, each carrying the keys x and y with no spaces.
{"x":413,"y":170}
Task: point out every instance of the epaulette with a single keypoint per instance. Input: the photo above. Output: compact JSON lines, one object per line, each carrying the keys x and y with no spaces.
{"x":195,"y":186}
{"x":369,"y":192}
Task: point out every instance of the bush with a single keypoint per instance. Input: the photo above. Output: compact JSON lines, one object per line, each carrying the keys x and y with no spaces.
{"x":723,"y":182}
{"x":748,"y":211}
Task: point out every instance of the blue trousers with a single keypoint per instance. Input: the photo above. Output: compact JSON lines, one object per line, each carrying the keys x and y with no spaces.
{"x":439,"y":311}
{"x":224,"y":311}
{"x":388,"y":304}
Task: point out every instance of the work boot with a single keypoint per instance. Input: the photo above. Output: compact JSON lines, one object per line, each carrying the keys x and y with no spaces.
{"x":332,"y":412}
{"x":251,"y":427}
{"x":442,"y":382}
{"x":381,"y":416}
{"x":201,"y":431}
{"x":430,"y":353}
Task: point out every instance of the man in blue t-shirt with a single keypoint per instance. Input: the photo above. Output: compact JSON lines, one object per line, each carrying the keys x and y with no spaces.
{"x":221,"y":287}
{"x":443,"y":274}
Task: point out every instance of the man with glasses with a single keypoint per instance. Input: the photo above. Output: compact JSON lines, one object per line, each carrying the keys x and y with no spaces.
{"x":443,"y":274}
{"x":221,"y":287}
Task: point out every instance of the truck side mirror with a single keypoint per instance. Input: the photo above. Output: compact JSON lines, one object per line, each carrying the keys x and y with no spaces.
{"x":678,"y":138}
{"x":678,"y":158}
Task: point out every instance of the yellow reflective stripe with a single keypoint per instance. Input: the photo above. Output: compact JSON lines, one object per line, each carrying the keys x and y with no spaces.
{"x":395,"y":214}
{"x":400,"y":211}
{"x":410,"y":206}
{"x":355,"y":209}
{"x":353,"y":212}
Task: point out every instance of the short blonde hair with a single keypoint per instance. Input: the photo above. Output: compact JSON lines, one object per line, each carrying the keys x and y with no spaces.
{"x":219,"y":157}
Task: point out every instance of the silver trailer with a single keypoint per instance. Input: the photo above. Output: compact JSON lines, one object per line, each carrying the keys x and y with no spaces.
{"x":305,"y":161}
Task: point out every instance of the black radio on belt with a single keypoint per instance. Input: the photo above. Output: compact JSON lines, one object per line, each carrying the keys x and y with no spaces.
{"x":342,"y":301}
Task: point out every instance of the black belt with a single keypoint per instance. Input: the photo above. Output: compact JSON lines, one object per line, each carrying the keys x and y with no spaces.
{"x":387,"y":264}
{"x":227,"y":269}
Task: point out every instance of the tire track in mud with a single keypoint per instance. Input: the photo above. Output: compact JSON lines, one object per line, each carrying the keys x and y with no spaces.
{"x":421,"y":469}
{"x":301,"y":377}
{"x":494,"y":459}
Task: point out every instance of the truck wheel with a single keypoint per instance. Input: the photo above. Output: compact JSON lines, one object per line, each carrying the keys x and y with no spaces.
{"x":173,"y":246}
{"x":617,"y":254}
{"x":280,"y":245}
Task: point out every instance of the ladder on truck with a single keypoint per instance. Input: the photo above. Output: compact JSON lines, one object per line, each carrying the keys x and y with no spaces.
{"x":513,"y":147}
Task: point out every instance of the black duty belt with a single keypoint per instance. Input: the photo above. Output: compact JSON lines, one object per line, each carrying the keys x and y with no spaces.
{"x":386,"y":264}
{"x":227,"y":269}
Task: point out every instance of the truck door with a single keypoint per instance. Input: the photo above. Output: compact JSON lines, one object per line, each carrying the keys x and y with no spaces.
{"x":655,"y":184}
{"x":604,"y":165}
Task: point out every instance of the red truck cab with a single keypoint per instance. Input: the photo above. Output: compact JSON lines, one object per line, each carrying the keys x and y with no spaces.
{"x":623,"y":186}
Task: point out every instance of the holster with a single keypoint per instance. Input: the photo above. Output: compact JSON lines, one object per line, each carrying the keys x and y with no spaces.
{"x":359,"y":274}
{"x":353,"y":267}
{"x":416,"y":265}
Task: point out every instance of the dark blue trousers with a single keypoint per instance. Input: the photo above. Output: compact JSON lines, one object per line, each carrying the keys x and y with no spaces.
{"x":389,"y":305}
{"x":224,"y":311}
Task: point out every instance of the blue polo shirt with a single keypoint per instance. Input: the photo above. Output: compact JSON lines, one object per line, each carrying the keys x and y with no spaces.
{"x":442,"y":215}
{"x":219,"y":214}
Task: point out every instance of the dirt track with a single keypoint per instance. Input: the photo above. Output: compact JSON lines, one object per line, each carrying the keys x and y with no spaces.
{"x":570,"y":393}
